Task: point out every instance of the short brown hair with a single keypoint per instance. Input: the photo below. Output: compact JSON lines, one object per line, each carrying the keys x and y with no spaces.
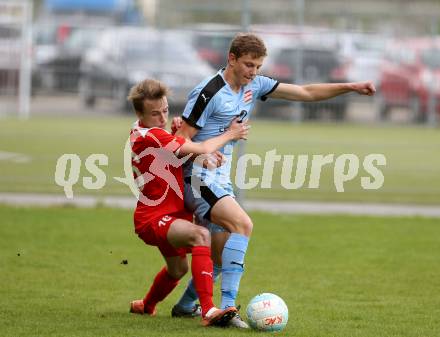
{"x":147,"y":89}
{"x":247,"y":43}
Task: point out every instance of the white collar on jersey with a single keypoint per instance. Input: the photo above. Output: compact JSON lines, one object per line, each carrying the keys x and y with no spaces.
{"x":143,"y":130}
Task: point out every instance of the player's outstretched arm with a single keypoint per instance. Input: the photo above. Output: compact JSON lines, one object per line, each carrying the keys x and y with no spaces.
{"x":320,"y":91}
{"x":237,"y":130}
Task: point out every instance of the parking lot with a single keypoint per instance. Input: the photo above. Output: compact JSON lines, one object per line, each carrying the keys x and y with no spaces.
{"x":358,"y":110}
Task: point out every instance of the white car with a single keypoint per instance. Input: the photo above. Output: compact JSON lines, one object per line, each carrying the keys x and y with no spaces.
{"x":362,"y":54}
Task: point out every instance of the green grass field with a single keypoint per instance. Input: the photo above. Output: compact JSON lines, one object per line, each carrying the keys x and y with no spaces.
{"x":411,"y":174}
{"x":61,"y":275}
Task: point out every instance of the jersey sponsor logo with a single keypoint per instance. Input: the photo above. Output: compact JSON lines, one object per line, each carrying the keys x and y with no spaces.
{"x":237,"y":263}
{"x":247,"y":97}
{"x":273,"y":320}
{"x":205,"y":98}
{"x":228,"y":106}
{"x":206,"y":273}
{"x":206,"y":94}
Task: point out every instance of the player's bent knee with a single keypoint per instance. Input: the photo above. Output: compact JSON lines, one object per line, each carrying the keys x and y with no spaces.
{"x":201,"y":237}
{"x":246,"y":225}
{"x":239,"y":222}
{"x":205,"y":236}
{"x":242,"y":224}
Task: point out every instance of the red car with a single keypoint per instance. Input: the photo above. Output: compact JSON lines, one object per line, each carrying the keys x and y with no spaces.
{"x":410,"y":77}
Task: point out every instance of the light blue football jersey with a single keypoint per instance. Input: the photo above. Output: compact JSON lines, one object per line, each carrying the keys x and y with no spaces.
{"x":211,"y":107}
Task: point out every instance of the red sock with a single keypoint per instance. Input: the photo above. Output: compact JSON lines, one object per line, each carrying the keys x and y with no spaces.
{"x":202,"y":271}
{"x":162,"y":285}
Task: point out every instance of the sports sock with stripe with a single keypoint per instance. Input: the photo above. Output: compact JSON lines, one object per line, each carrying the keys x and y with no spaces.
{"x":232,"y":267}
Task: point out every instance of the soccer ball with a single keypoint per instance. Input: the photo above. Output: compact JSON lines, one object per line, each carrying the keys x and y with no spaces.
{"x":267,"y":312}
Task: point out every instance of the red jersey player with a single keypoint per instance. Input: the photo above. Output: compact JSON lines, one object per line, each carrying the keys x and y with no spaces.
{"x":160,"y":217}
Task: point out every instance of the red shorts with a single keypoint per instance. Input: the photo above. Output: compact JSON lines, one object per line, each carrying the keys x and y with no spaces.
{"x":156,"y":230}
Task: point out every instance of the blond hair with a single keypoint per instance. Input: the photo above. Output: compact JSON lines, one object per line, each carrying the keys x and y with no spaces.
{"x":147,"y":89}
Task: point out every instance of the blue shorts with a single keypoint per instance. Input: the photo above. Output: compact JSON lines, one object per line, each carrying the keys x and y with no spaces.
{"x":200,"y":198}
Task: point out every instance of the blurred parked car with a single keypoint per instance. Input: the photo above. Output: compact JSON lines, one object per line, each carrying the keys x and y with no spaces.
{"x":212,"y":42}
{"x":125,"y":56}
{"x":47,"y":39}
{"x":362,"y":54}
{"x":10,"y":54}
{"x":319,"y":64}
{"x":58,"y":70}
{"x":410,"y":77}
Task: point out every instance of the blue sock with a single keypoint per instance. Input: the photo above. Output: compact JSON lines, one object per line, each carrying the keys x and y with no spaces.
{"x":217,"y":272}
{"x":233,"y":267}
{"x":189,"y":297}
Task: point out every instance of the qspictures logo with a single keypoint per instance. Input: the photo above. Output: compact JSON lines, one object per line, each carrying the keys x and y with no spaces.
{"x":305,"y":174}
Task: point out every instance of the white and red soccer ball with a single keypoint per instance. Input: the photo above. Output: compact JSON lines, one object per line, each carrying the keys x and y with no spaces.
{"x":267,"y":312}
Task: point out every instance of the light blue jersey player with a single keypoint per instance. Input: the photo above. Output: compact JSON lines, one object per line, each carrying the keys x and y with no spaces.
{"x":212,"y":105}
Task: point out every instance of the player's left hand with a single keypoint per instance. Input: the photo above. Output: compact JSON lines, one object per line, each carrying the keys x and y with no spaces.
{"x":176,"y":123}
{"x":364,"y":88}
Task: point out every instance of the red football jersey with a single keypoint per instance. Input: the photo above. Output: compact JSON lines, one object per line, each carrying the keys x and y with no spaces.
{"x":157,"y":172}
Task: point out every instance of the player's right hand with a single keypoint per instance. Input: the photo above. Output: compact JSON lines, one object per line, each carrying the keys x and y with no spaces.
{"x":239,"y":129}
{"x":219,"y":157}
{"x":210,"y":161}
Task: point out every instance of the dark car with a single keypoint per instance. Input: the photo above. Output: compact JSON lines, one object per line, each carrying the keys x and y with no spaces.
{"x":212,"y":42}
{"x":10,"y":56}
{"x":125,"y":56}
{"x":410,"y":77}
{"x":318,"y":64}
{"x":58,"y":50}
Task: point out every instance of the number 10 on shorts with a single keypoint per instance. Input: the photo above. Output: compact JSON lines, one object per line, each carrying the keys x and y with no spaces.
{"x":164,"y":220}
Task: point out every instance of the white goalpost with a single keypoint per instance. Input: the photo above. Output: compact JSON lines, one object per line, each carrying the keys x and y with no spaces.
{"x":15,"y":57}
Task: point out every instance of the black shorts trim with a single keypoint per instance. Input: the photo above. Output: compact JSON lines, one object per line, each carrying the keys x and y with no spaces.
{"x":207,"y":215}
{"x":207,"y":195}
{"x":205,"y":191}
